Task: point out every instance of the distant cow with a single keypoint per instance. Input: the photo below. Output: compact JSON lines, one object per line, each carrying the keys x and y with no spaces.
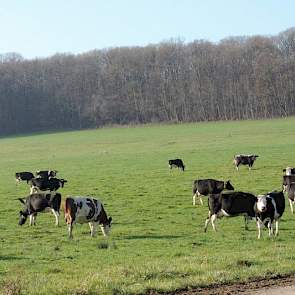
{"x":244,"y":160}
{"x":23,"y":176}
{"x":230,"y":204}
{"x":46,"y":173}
{"x":83,"y":210}
{"x":44,"y":184}
{"x":269,"y":208}
{"x":209,"y":186}
{"x":35,"y":203}
{"x":176,"y":163}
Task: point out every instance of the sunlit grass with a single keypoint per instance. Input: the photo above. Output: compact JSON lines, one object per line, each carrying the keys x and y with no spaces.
{"x":157,"y":240}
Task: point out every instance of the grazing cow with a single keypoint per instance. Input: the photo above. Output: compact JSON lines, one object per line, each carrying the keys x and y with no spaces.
{"x":43,"y":184}
{"x":244,"y":160}
{"x":230,"y":204}
{"x":46,"y":173}
{"x":27,"y":176}
{"x":35,"y":203}
{"x":209,"y":186}
{"x":289,"y":171}
{"x":290,"y":189}
{"x":83,"y":210}
{"x":176,"y":163}
{"x":269,"y":208}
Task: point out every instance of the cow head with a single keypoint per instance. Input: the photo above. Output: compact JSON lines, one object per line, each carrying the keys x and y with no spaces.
{"x":106,"y":227}
{"x":62,"y":182}
{"x":228,"y":186}
{"x":22,"y":217}
{"x":254,"y":157}
{"x":261,"y":203}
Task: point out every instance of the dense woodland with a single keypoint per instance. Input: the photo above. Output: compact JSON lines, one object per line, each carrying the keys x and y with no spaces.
{"x":236,"y":78}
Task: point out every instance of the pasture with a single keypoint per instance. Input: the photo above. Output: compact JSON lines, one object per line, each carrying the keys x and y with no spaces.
{"x":157,"y":240}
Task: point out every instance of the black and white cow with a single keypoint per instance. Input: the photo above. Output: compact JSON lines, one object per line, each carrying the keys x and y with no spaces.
{"x":86,"y":210}
{"x":209,"y":186}
{"x":269,"y":208}
{"x":44,"y":184}
{"x":35,"y":203}
{"x":230,"y":204}
{"x":23,"y":176}
{"x":176,"y":163}
{"x":46,"y":174}
{"x":244,"y":160}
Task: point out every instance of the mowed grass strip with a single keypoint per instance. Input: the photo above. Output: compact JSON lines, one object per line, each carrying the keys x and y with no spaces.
{"x":157,"y":240}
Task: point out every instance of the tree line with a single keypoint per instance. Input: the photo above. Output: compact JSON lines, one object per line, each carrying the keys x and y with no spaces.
{"x":236,"y":78}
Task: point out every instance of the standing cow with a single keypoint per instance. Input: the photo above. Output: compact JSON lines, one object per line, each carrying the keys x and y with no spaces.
{"x":209,"y":186}
{"x":35,"y":203}
{"x":86,"y":210}
{"x":176,"y":163}
{"x":244,"y":160}
{"x":230,"y":204}
{"x":268,"y":209}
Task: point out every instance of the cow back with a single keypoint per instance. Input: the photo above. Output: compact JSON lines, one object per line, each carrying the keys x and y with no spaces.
{"x":235,"y":203}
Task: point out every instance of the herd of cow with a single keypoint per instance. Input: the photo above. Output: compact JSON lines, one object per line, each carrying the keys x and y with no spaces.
{"x":266,"y":209}
{"x":44,"y":197}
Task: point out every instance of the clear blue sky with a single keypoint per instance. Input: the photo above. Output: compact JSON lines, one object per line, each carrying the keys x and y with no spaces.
{"x":40,"y":28}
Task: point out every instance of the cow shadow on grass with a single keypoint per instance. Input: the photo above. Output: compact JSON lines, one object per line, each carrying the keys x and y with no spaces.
{"x":11,"y":257}
{"x":156,"y":237}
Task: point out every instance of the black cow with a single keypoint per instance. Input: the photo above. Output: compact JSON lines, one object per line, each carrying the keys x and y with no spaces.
{"x":176,"y":163}
{"x":46,"y":173}
{"x":209,"y":186}
{"x":244,"y":160}
{"x":27,"y":176}
{"x":44,"y":184}
{"x":35,"y":203}
{"x":269,"y":208}
{"x":230,"y":204}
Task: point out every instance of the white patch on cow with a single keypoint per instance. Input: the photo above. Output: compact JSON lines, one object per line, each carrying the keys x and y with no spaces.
{"x":261,"y":203}
{"x":105,"y":229}
{"x":56,"y":215}
{"x":224,"y":213}
{"x":288,"y":171}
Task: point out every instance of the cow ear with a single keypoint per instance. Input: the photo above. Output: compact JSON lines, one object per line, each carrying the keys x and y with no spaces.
{"x":110,"y":219}
{"x":21,"y":200}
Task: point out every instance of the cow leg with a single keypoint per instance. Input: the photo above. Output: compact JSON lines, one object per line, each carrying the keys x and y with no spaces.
{"x":200,"y":198}
{"x":70,"y":229}
{"x":194,"y":199}
{"x":259,"y":226}
{"x":246,"y":218}
{"x":103,"y":230}
{"x":213,"y":219}
{"x":277,"y":228}
{"x":56,"y":215}
{"x":291,"y":206}
{"x":270,"y":229}
{"x":92,"y":228}
{"x":32,"y":219}
{"x":207,"y":222}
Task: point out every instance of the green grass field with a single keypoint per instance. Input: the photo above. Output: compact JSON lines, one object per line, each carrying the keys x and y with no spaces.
{"x":157,"y":239}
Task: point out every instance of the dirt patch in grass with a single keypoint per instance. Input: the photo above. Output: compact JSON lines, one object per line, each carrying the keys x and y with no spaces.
{"x":246,"y":288}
